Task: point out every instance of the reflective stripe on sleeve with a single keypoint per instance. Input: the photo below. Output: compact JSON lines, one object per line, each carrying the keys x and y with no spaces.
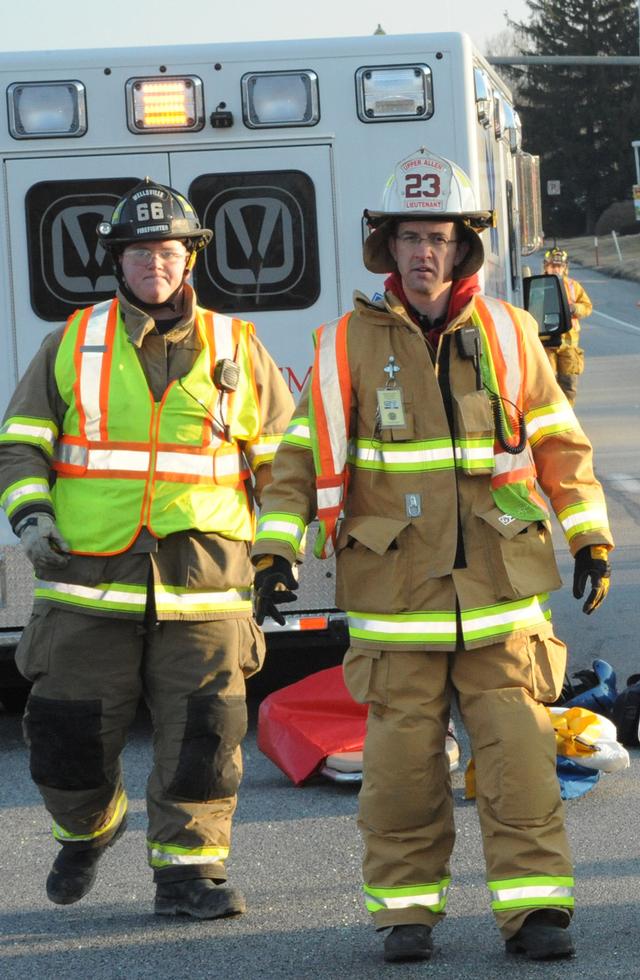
{"x":405,"y":457}
{"x":298,"y":433}
{"x":172,"y":855}
{"x":547,"y":421}
{"x":28,"y":491}
{"x":533,"y":892}
{"x":64,"y":836}
{"x":262,"y":450}
{"x":288,"y":528}
{"x":36,"y":432}
{"x":579,"y":518}
{"x":432,"y":896}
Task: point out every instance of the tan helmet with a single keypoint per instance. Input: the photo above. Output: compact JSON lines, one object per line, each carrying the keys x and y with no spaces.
{"x":422,"y":187}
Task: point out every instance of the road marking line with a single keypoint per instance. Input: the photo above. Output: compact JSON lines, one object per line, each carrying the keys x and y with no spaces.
{"x":625,"y":482}
{"x":614,"y":319}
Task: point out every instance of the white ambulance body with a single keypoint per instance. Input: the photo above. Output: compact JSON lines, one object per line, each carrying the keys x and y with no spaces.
{"x":280,"y":146}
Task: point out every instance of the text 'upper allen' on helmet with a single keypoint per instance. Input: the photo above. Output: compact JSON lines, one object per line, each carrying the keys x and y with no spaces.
{"x":152,"y":212}
{"x":426,"y":186}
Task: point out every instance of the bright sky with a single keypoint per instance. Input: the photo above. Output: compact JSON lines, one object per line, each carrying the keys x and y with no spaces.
{"x":28,"y":25}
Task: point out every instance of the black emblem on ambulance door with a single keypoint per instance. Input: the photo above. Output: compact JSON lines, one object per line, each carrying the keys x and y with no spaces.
{"x":68,"y":268}
{"x":264,"y":253}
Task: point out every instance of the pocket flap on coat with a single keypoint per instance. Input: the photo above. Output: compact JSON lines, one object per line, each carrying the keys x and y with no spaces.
{"x":375,"y":533}
{"x":505,"y":524}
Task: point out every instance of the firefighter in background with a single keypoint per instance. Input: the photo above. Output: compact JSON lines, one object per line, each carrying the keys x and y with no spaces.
{"x":424,"y":421}
{"x":567,"y":359}
{"x":129,"y":457}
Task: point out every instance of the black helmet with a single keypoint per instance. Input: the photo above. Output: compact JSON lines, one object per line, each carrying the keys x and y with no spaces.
{"x":152,"y":212}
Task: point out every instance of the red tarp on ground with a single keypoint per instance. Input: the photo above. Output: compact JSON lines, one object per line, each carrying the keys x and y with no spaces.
{"x":300,"y":725}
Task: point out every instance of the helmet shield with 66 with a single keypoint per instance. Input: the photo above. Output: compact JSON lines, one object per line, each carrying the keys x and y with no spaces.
{"x":152,"y":212}
{"x":425,"y":186}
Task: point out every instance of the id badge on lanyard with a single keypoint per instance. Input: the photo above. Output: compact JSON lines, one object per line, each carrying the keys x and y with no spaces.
{"x":390,"y":406}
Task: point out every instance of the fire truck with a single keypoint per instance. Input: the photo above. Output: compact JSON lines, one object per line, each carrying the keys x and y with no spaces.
{"x":280,"y":146}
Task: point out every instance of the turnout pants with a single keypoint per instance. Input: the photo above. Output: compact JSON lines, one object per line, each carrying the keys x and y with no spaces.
{"x":406,"y":808}
{"x":88,"y":675}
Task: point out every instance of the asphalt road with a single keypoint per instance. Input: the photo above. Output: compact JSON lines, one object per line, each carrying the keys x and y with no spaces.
{"x":296,"y":851}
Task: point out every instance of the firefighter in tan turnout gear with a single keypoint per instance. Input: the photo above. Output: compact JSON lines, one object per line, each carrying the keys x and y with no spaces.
{"x":428,"y":417}
{"x":129,"y":457}
{"x":567,"y":358}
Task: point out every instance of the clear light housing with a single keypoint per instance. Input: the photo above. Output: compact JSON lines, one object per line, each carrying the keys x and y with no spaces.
{"x":498,"y":117}
{"x":394,"y":92}
{"x":41,"y":109}
{"x":165,"y":104}
{"x":483,"y":98}
{"x":288,"y":98}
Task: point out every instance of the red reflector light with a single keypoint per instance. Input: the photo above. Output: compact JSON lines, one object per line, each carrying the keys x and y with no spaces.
{"x":314,"y":623}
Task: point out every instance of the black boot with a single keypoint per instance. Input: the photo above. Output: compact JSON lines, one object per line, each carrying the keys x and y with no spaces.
{"x":544,"y":935}
{"x":200,"y":898}
{"x":408,"y":943}
{"x":74,"y":870}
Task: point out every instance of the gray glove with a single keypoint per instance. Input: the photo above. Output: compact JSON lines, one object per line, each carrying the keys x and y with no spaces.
{"x":43,"y":544}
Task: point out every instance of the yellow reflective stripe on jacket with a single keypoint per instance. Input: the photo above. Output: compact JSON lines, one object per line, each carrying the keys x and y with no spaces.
{"x":432,"y":896}
{"x":580,"y":518}
{"x":32,"y":431}
{"x":439,"y":627}
{"x":173,"y":855}
{"x":474,"y":454}
{"x":418,"y":627}
{"x":28,"y":491}
{"x":547,"y":421}
{"x":114,"y":821}
{"x":532,"y":892}
{"x":496,"y":620}
{"x":402,"y":457}
{"x":288,"y":528}
{"x":117,"y":597}
{"x":170,"y":599}
{"x":126,"y":598}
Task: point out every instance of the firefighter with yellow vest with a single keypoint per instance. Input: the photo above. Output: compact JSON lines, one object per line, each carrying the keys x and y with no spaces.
{"x":567,"y":358}
{"x":429,"y":418}
{"x":130,"y":455}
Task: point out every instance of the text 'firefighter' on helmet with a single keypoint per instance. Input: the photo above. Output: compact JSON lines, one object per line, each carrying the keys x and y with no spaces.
{"x":152,"y":212}
{"x":425,"y":186}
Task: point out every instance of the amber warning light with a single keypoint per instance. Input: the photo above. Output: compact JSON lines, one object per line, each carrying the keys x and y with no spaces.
{"x":165,"y":104}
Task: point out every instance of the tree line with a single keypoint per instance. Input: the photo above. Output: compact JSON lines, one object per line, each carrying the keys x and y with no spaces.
{"x":579,"y":119}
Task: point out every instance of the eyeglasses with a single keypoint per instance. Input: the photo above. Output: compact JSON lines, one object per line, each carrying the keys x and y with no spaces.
{"x":145,"y":256}
{"x":433,"y":239}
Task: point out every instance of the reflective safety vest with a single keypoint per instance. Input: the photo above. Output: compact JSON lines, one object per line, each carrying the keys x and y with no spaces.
{"x":124,"y":461}
{"x":512,"y":474}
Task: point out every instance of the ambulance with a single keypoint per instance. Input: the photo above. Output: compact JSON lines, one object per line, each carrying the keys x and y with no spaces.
{"x":280,"y":146}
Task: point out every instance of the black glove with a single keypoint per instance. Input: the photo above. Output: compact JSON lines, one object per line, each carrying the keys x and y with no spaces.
{"x":274,"y":582}
{"x":592,"y":563}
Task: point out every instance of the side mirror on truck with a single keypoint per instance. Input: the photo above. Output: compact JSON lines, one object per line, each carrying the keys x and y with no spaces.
{"x":546,"y":300}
